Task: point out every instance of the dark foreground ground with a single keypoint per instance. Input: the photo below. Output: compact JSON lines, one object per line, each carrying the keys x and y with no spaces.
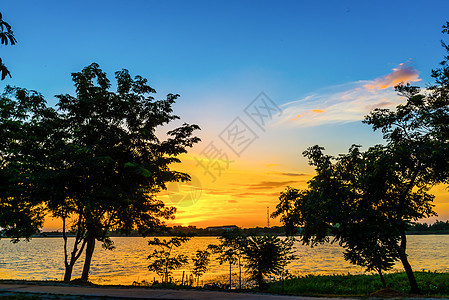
{"x":37,"y":290}
{"x":13,"y":290}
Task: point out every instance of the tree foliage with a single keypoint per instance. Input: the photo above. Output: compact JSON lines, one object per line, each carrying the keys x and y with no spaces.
{"x":267,"y":255}
{"x":163,"y":260}
{"x":6,"y":37}
{"x":21,"y":115}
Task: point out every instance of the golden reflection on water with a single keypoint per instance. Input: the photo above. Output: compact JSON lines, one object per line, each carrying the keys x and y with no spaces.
{"x":42,"y":259}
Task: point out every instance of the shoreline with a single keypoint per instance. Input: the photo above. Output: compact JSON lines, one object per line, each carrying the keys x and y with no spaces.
{"x":217,"y":236}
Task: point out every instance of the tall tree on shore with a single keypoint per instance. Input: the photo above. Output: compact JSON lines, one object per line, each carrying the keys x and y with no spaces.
{"x":418,"y":133}
{"x":377,"y":194}
{"x":97,"y":163}
{"x":116,"y":163}
{"x":6,"y":37}
{"x":354,"y":200}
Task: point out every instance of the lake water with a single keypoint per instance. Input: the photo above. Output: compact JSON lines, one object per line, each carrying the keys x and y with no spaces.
{"x":42,"y":259}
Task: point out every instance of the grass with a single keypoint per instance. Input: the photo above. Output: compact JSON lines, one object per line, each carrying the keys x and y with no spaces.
{"x":430,"y":283}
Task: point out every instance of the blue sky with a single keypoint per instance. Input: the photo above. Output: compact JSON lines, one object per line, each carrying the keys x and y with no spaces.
{"x":307,"y":56}
{"x":287,"y":48}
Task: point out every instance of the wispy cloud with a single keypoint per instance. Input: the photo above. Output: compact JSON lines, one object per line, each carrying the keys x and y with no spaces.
{"x":271,"y":165}
{"x":268,"y":185}
{"x":347,"y":102}
{"x":403,"y":73}
{"x":289,"y":174}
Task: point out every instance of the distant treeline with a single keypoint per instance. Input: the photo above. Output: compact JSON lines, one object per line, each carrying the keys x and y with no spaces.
{"x":193,"y":230}
{"x":424,"y":228}
{"x":417,"y":228}
{"x":439,"y":227}
{"x":179,"y":230}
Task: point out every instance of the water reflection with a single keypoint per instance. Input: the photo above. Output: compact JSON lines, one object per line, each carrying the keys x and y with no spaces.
{"x":42,"y":259}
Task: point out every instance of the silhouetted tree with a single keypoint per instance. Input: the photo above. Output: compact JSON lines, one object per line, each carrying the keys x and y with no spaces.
{"x":417,"y":132}
{"x":114,"y":160}
{"x":225,"y":255}
{"x":368,"y":200}
{"x":21,"y":115}
{"x":230,"y":249}
{"x":6,"y":37}
{"x":357,"y":200}
{"x":200,"y":262}
{"x":266,"y":255}
{"x":97,"y":163}
{"x":235,"y":240}
{"x":164,"y":261}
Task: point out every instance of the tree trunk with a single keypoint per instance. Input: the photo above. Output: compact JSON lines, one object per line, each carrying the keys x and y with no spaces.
{"x":260,"y":280}
{"x":166,"y":272}
{"x":68,"y":272}
{"x":240,"y":275}
{"x":230,"y":276}
{"x":90,"y":247}
{"x":411,"y":277}
{"x":382,"y":279}
{"x":407,"y":267}
{"x":76,"y":253}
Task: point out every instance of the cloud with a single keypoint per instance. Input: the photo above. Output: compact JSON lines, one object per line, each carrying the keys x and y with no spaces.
{"x":403,"y":73}
{"x":232,"y":201}
{"x":290,"y":174}
{"x":269,"y":185}
{"x":348,"y":102}
{"x":248,"y":194}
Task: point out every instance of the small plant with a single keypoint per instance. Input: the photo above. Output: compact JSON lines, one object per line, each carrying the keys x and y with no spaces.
{"x":266,"y":255}
{"x":231,"y":250}
{"x":163,"y":261}
{"x":200,"y":263}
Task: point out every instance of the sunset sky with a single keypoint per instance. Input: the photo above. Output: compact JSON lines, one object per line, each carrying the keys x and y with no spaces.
{"x":263,"y":79}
